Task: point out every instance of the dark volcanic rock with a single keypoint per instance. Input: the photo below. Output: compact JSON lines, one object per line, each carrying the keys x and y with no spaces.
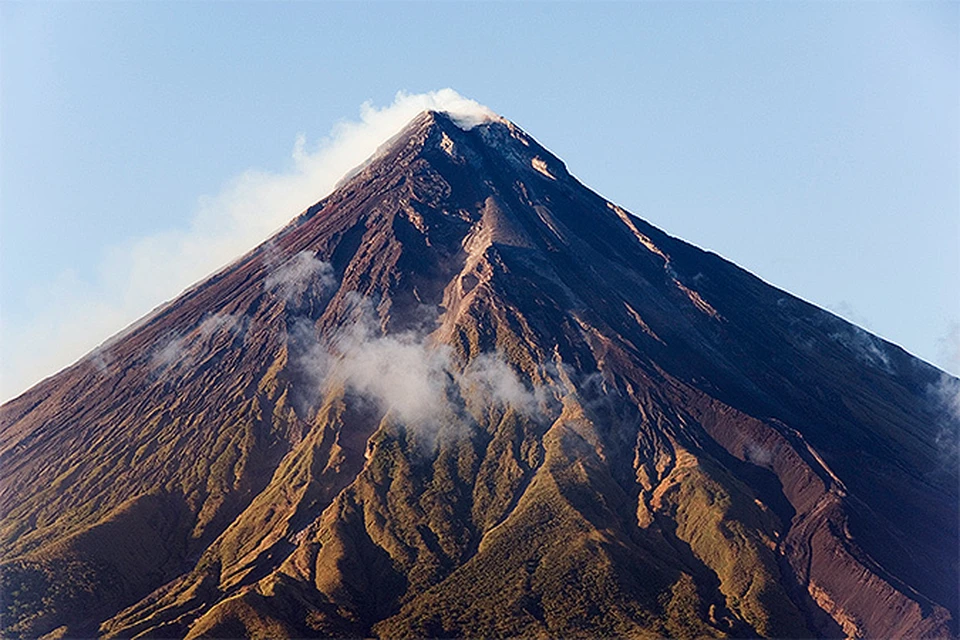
{"x":466,"y":396}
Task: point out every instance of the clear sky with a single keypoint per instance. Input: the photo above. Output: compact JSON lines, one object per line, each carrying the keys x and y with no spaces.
{"x":815,"y":144}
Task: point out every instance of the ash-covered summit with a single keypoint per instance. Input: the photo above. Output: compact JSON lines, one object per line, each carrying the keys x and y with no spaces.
{"x":465,"y":396}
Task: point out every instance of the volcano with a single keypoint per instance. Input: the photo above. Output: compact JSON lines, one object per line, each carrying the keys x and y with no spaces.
{"x":466,"y":396}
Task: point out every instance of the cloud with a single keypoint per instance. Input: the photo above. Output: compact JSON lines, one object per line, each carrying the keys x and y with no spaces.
{"x":945,"y":395}
{"x":948,"y":349}
{"x":179,"y":350}
{"x":403,"y":376}
{"x":302,"y":273}
{"x":758,"y":455}
{"x":422,"y":385}
{"x":846,"y":310}
{"x":489,"y":379}
{"x":864,"y":345}
{"x":73,"y":315}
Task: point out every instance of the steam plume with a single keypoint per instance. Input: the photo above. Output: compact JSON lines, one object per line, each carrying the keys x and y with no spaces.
{"x":143,"y":272}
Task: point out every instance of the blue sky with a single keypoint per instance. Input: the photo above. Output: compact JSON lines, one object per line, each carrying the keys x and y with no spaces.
{"x":815,"y":144}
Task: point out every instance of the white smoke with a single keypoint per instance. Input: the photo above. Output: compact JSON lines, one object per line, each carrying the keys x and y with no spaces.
{"x":179,"y":350}
{"x":948,"y":349}
{"x":492,"y":381}
{"x":418,"y":383}
{"x":945,"y":395}
{"x":76,"y":315}
{"x":401,"y":374}
{"x":299,"y":274}
{"x":758,"y":455}
{"x":865,"y":346}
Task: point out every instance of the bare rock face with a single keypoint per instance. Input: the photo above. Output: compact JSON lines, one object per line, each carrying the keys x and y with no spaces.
{"x":466,"y":396}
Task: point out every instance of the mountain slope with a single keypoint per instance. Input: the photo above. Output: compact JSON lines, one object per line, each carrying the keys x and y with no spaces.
{"x":464,"y":395}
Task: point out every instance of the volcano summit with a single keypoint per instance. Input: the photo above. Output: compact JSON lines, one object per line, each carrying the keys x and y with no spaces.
{"x":466,"y":396}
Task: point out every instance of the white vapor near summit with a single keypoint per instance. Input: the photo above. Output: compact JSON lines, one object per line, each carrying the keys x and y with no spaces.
{"x":76,"y":315}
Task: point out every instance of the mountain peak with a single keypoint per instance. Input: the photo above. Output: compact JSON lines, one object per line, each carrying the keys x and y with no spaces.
{"x":461,"y":146}
{"x":480,"y":135}
{"x":466,"y":113}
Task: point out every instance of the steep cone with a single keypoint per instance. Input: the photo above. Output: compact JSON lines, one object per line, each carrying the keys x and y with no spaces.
{"x":466,"y":396}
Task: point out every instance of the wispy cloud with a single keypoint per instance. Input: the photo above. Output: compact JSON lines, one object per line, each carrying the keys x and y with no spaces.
{"x":298,"y":275}
{"x":422,"y":385}
{"x":948,"y":349}
{"x":74,"y":315}
{"x":180,"y":350}
{"x":945,"y":395}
